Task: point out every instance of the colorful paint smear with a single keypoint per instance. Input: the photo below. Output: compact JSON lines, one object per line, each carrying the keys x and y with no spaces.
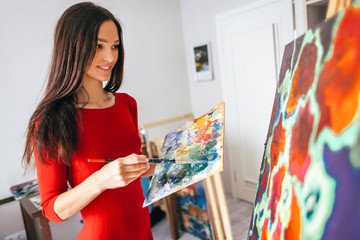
{"x":309,"y":185}
{"x":193,"y":212}
{"x":25,"y":190}
{"x":201,"y":139}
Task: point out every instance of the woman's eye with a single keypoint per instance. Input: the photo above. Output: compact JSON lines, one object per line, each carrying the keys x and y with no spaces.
{"x":115,"y":47}
{"x":98,"y":46}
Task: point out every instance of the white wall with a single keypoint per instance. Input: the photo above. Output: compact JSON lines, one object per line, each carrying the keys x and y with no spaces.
{"x":155,"y":73}
{"x":198,"y":20}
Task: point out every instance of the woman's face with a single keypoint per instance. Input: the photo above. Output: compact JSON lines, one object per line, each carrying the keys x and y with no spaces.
{"x":106,"y":53}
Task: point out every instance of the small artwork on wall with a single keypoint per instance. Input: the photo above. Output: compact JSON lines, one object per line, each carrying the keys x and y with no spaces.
{"x":202,"y":61}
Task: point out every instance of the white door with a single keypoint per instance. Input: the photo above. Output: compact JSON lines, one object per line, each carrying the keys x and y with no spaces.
{"x":251,"y":43}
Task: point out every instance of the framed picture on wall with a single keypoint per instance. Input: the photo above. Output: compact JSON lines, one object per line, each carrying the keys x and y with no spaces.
{"x":202,"y":61}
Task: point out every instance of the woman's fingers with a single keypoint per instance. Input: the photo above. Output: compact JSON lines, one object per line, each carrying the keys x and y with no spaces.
{"x":133,"y":163}
{"x":131,"y":176}
{"x":122,"y":171}
{"x":134,"y":167}
{"x":135,"y":174}
{"x":133,"y":159}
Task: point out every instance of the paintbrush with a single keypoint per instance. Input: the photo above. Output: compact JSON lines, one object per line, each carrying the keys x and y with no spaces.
{"x":155,"y":160}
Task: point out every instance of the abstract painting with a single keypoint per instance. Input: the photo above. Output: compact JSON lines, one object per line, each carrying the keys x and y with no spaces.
{"x":200,"y":139}
{"x":309,"y":184}
{"x":192,"y":210}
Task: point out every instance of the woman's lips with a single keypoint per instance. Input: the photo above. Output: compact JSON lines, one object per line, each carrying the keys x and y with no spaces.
{"x":104,"y":68}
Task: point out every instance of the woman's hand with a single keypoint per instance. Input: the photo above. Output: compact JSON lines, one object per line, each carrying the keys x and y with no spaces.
{"x":117,"y":173}
{"x":121,"y":171}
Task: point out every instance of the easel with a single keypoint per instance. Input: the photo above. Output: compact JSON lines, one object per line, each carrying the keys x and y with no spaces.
{"x":218,"y":207}
{"x":336,"y":5}
{"x":214,"y":190}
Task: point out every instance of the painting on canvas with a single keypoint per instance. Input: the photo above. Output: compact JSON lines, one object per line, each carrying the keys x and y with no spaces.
{"x":200,"y":139}
{"x":309,"y":184}
{"x":193,"y":212}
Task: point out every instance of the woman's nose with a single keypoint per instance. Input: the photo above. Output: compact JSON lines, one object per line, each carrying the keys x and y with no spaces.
{"x":109,"y":55}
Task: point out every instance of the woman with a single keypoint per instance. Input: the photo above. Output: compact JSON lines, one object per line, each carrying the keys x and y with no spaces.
{"x":78,"y":119}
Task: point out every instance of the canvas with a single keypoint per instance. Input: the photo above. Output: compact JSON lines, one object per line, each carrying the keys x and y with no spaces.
{"x":309,"y":185}
{"x":193,"y":212}
{"x":199,"y":139}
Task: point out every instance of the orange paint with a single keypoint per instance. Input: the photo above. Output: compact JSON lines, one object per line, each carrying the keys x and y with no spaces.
{"x":265,"y":230}
{"x":339,"y":85}
{"x":293,"y":231}
{"x":278,"y":144}
{"x":303,"y":76}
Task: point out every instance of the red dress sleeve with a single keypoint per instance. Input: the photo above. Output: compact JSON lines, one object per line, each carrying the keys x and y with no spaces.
{"x":52,"y":180}
{"x":133,"y":111}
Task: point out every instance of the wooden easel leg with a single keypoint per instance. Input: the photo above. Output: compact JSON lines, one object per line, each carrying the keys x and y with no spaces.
{"x":171,"y":207}
{"x":29,"y":225}
{"x":221,"y":201}
{"x":45,"y":228}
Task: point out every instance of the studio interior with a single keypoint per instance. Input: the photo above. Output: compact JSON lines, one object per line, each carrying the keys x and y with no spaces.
{"x":249,"y":109}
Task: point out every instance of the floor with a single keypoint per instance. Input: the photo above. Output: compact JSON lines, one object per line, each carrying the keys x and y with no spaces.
{"x":239,"y":212}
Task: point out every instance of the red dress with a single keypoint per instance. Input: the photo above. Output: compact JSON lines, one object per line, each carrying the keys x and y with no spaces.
{"x":117,"y":213}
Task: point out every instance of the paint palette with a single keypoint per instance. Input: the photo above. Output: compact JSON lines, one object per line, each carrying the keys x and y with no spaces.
{"x":309,"y":185}
{"x":25,"y":190}
{"x":201,"y":139}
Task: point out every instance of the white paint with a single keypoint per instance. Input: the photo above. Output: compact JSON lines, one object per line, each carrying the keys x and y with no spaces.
{"x":155,"y":71}
{"x":252,"y":40}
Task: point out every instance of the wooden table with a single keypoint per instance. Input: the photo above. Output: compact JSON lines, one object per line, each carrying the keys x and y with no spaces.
{"x":30,"y":213}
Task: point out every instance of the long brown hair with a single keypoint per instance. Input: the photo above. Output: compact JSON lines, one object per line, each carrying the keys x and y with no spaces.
{"x":52,"y":129}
